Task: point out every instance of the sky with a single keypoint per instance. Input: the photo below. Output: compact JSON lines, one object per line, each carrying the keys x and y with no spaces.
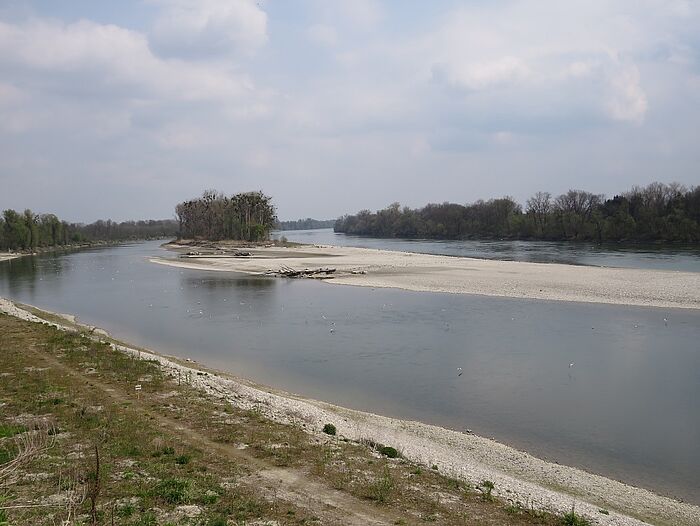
{"x":122,"y":109}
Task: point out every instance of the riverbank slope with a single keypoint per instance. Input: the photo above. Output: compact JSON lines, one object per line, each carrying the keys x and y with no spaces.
{"x":522,"y":481}
{"x":432,"y":273}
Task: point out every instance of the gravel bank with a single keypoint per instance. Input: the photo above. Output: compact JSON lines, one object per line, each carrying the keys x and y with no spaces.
{"x":518,"y":476}
{"x":425,"y":272}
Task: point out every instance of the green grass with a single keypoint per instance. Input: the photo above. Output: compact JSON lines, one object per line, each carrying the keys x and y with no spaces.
{"x":173,"y":491}
{"x":10,"y":430}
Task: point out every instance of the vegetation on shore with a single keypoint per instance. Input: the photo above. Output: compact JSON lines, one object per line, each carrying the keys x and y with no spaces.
{"x":29,"y":231}
{"x":248,"y":216}
{"x":169,"y":454}
{"x":657,"y":212}
{"x":305,"y":224}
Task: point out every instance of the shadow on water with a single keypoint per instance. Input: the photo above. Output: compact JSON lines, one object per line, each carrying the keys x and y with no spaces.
{"x":627,"y":408}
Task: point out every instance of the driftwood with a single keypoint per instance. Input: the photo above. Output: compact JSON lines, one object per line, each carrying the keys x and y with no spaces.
{"x":289,"y":272}
{"x":220,"y":255}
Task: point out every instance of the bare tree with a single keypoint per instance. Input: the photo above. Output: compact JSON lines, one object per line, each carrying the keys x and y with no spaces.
{"x":539,"y":206}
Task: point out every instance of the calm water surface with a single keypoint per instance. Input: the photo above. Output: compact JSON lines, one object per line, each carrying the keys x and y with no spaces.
{"x":628,"y":408}
{"x":675,"y":257}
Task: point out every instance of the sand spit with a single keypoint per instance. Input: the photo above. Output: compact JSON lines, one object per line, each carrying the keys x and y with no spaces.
{"x":518,"y":476}
{"x":430,"y":273}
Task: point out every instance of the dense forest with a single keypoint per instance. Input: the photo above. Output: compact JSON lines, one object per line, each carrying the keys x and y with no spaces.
{"x":29,"y":231}
{"x":247,"y":216}
{"x":657,"y":212}
{"x":305,"y":224}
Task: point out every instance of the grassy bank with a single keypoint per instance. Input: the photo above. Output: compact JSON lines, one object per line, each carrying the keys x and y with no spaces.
{"x":102,"y":452}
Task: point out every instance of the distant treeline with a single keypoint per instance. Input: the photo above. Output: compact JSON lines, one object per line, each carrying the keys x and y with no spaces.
{"x":305,"y":224}
{"x":658,"y":212}
{"x":247,"y":216}
{"x":29,"y":231}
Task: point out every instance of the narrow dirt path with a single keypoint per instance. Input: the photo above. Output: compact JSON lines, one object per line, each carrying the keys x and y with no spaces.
{"x":290,"y":484}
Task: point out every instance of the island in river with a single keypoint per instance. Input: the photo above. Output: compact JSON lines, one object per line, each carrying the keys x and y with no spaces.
{"x":433,"y":273}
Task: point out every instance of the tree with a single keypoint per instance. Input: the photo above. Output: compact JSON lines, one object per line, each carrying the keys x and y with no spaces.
{"x":539,"y":206}
{"x":657,"y":212}
{"x":246,"y":216}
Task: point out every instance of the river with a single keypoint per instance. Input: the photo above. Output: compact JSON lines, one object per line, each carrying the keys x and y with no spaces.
{"x":626,"y":408}
{"x":647,"y":256}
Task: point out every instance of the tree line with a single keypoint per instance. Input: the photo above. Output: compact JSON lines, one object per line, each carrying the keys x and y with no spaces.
{"x":29,"y":231}
{"x":305,"y":224}
{"x":248,"y":216}
{"x":657,"y":212}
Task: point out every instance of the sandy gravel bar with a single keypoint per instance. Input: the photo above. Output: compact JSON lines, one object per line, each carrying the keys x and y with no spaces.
{"x":518,"y":476}
{"x":4,"y":256}
{"x":425,"y":272}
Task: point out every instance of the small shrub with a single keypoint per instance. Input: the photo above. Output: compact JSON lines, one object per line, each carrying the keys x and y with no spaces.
{"x":9,"y":430}
{"x":182,"y":459}
{"x":604,"y":512}
{"x":4,"y":521}
{"x":218,"y":521}
{"x":173,"y":491}
{"x":380,"y":489}
{"x":127,"y":510}
{"x":573,"y":519}
{"x":329,"y":429}
{"x":435,"y":467}
{"x":209,"y":497}
{"x":487,"y":486}
{"x":5,"y":456}
{"x":147,"y":519}
{"x":389,"y":451}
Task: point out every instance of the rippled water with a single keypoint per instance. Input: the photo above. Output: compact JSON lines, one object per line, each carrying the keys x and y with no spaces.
{"x":674,"y":257}
{"x":627,"y":408}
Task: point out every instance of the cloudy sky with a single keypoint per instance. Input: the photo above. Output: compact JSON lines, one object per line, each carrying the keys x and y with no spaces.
{"x":121,"y":109}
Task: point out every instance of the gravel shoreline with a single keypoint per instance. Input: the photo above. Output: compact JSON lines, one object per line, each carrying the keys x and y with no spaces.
{"x":432,"y":273}
{"x":518,"y":476}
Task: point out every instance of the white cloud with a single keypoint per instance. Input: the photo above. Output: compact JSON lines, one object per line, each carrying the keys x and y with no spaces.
{"x":627,"y":100}
{"x":361,"y":13}
{"x":323,"y":34}
{"x":106,"y":60}
{"x":581,"y":68}
{"x":484,"y":74}
{"x":208,"y":28}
